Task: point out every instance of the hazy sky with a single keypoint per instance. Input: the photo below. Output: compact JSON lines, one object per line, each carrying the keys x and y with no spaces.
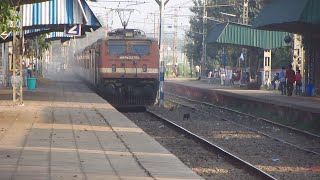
{"x":143,"y":15}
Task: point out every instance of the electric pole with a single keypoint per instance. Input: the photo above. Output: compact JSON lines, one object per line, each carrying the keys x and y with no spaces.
{"x":154,"y":25}
{"x":175,"y":36}
{"x":245,"y":18}
{"x":17,"y":76}
{"x":161,"y":3}
{"x":107,"y":23}
{"x":245,"y":21}
{"x":204,"y":37}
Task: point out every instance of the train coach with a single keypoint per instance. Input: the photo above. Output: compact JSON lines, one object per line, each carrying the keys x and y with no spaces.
{"x":123,"y":68}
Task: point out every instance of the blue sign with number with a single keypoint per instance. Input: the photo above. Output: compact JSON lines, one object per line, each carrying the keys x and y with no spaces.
{"x":73,"y":30}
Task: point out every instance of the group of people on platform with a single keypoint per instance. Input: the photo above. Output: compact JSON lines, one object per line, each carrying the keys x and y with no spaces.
{"x":287,"y":78}
{"x":283,"y":81}
{"x":228,"y":76}
{"x":27,"y":73}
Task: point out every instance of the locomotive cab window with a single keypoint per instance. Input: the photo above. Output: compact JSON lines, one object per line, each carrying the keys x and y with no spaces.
{"x":142,"y":48}
{"x":117,"y":48}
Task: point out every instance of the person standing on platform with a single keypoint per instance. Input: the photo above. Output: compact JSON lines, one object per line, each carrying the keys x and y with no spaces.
{"x":29,"y":71}
{"x":210,"y":77}
{"x":197,"y":68}
{"x":291,"y":78}
{"x":282,"y":78}
{"x":25,"y":77}
{"x":298,"y":83}
{"x":275,"y":80}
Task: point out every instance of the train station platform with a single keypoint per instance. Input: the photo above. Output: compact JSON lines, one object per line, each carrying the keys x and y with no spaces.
{"x":65,"y":131}
{"x":297,"y":108}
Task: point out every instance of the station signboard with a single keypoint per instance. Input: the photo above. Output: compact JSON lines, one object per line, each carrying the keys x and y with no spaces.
{"x":4,"y":35}
{"x":73,"y":30}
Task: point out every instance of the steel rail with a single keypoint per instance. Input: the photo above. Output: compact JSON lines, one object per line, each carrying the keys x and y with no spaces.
{"x":252,"y":116}
{"x":209,"y":144}
{"x":266,"y":135}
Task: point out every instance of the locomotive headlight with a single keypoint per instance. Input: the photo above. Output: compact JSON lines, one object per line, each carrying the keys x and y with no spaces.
{"x":144,"y":68}
{"x":114,"y":69}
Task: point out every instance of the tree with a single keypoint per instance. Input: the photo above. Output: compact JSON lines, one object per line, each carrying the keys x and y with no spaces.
{"x":281,"y":57}
{"x":8,"y":17}
{"x":36,"y":45}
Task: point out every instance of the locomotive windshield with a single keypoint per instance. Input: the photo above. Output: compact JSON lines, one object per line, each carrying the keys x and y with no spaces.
{"x":117,"y":48}
{"x":140,"y":48}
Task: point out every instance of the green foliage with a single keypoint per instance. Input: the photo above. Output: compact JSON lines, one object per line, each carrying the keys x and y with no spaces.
{"x":36,"y":45}
{"x":43,"y":44}
{"x":8,"y":17}
{"x":281,"y":57}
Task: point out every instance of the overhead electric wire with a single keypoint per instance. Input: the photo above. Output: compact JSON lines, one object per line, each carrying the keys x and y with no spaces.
{"x":181,"y":4}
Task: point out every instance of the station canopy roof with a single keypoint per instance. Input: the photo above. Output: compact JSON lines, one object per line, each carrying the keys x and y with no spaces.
{"x":296,"y":16}
{"x":244,"y":35}
{"x":53,"y":15}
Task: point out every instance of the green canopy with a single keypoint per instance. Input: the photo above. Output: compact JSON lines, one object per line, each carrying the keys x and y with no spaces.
{"x":296,"y":16}
{"x":232,"y":33}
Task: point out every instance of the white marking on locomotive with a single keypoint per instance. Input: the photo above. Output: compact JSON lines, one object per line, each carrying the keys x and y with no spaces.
{"x":130,"y":70}
{"x":129,"y":57}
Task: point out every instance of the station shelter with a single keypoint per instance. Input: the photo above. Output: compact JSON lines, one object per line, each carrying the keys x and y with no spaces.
{"x":301,"y":17}
{"x":245,"y":36}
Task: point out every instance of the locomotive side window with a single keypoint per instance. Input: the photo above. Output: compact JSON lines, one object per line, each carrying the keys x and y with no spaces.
{"x":117,"y":48}
{"x":140,"y":48}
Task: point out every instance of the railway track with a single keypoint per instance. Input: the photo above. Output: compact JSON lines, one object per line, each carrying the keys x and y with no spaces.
{"x":215,"y":148}
{"x":273,"y":152}
{"x":210,"y":165}
{"x":306,"y":141}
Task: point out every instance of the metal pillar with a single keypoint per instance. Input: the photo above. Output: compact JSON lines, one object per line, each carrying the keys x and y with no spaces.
{"x":14,"y":72}
{"x":154,"y":25}
{"x":296,"y":53}
{"x":2,"y":66}
{"x":204,"y":37}
{"x":17,"y":77}
{"x":267,"y":67}
{"x":175,"y":37}
{"x":245,"y":18}
{"x":162,"y":66}
{"x":298,"y":56}
{"x":312,"y":57}
{"x":245,"y":21}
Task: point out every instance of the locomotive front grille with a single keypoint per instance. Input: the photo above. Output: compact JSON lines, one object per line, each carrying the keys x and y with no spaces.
{"x":130,"y":92}
{"x":130,"y":101}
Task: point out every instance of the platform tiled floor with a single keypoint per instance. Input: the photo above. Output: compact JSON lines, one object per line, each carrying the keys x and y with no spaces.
{"x":64,"y":131}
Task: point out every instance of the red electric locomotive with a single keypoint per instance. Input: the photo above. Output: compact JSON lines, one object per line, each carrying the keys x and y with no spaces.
{"x":124,"y":67}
